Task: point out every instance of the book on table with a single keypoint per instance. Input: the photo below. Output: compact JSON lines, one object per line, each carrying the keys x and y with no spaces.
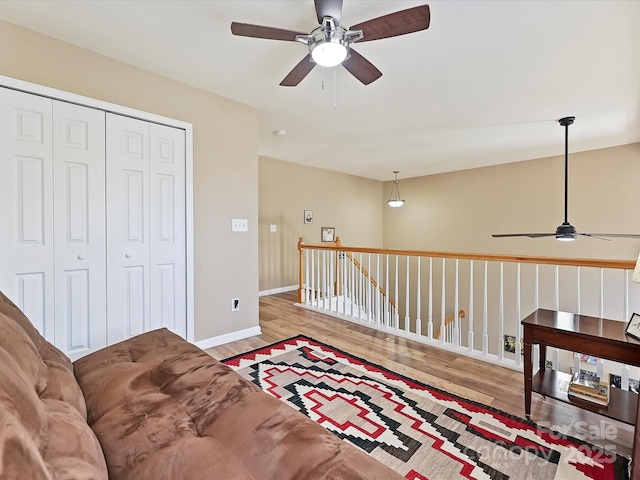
{"x":588,"y":386}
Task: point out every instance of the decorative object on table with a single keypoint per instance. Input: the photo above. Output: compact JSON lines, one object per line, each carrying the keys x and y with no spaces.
{"x":586,"y":385}
{"x":395,"y":200}
{"x":616,"y":382}
{"x":328,"y":234}
{"x":633,"y":327}
{"x":567,"y":232}
{"x":591,"y":360}
{"x":308,"y":216}
{"x":419,"y":430}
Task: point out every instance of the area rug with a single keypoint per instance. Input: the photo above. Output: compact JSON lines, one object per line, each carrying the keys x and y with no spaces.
{"x":418,"y":430}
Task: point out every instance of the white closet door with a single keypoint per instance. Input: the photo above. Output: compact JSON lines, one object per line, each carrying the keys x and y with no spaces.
{"x":26,"y":206}
{"x":79,"y":231}
{"x":128,"y":286}
{"x":168,"y":229}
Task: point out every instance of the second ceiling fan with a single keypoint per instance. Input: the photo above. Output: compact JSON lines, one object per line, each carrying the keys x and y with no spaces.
{"x":330,"y":43}
{"x":566,"y":231}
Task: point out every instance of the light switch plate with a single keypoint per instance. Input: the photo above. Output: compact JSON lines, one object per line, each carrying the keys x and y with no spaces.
{"x":239,"y":225}
{"x":273,"y":228}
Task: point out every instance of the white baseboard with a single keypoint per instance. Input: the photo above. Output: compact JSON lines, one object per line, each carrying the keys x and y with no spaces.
{"x":228,"y":337}
{"x":273,"y":291}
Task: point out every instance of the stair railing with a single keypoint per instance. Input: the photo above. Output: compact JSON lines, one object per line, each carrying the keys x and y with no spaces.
{"x":412,"y":293}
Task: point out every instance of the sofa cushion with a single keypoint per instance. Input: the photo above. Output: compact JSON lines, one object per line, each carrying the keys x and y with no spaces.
{"x":164,"y":409}
{"x":43,"y":431}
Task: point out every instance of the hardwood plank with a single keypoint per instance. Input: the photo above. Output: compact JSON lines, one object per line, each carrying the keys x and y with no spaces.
{"x":473,"y":379}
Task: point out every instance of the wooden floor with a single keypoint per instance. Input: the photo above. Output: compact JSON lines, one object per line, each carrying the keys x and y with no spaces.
{"x":486,"y":383}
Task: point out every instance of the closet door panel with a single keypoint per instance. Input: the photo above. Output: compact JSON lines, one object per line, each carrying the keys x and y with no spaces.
{"x":127,"y":196}
{"x":168,"y":229}
{"x":79,"y":232}
{"x":26,"y":205}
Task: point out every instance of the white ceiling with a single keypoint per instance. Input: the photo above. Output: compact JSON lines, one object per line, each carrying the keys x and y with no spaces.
{"x":484,"y":85}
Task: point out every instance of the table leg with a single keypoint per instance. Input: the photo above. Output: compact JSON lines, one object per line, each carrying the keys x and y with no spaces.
{"x":543,"y":356}
{"x":528,"y":378}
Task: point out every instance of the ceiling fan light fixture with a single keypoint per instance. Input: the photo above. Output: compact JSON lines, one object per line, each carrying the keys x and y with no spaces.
{"x":394,"y":197}
{"x":328,"y":54}
{"x":566,"y":233}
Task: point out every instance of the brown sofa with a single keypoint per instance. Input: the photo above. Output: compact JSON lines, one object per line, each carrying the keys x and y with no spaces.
{"x":151,"y":407}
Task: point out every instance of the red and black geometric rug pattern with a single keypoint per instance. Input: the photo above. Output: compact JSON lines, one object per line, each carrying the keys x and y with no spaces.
{"x":418,"y":430}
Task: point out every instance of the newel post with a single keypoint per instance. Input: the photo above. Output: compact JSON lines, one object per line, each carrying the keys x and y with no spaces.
{"x":300,"y":271}
{"x":337,"y":285}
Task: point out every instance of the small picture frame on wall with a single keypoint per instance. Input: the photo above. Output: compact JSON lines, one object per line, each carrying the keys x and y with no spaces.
{"x":633,"y":327}
{"x":328,"y":234}
{"x":308,"y":216}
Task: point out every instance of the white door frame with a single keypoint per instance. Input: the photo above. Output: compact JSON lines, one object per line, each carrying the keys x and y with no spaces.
{"x":56,"y":94}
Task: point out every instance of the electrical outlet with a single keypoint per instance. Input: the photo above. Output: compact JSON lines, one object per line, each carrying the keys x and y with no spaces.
{"x":273,"y":228}
{"x":235,"y":304}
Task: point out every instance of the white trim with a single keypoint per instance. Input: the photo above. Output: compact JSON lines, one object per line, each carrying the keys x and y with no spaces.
{"x":56,"y":94}
{"x":34,"y":88}
{"x":273,"y":291}
{"x":228,"y":338}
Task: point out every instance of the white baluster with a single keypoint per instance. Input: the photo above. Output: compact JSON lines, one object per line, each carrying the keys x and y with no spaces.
{"x":387,"y":306}
{"x":537,"y":287}
{"x":555,"y":355}
{"x":430,"y":307}
{"x":443,"y":303}
{"x":324,"y":279}
{"x":601,"y":292}
{"x":470,"y":313}
{"x":576,"y":363}
{"x":578,"y":301}
{"x":518,"y":318}
{"x":418,"y":302}
{"x":307,"y":273}
{"x":396,"y":314}
{"x":379,"y":311}
{"x":556,"y":288}
{"x":624,"y":381}
{"x":456,"y":318}
{"x":407,"y":319}
{"x":626,"y":294}
{"x":501,"y":315}
{"x":485,"y":314}
{"x":369,"y":288}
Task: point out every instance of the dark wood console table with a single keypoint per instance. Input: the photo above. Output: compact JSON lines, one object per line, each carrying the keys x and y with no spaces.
{"x":578,"y":333}
{"x":592,"y":336}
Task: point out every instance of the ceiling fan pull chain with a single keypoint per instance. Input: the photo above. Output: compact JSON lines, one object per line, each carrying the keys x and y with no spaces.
{"x":334,"y":88}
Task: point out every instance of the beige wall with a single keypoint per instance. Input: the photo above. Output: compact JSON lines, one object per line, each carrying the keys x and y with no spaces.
{"x":348,"y":203}
{"x":225,"y":162}
{"x":459,"y":211}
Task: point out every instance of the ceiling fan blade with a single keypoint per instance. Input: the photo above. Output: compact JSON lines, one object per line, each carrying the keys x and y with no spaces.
{"x":530,"y":235}
{"x":298,"y":73}
{"x":593,"y":236}
{"x":361,"y":68}
{"x":329,"y":8}
{"x":398,"y":23}
{"x":259,"y":31}
{"x":615,"y":235}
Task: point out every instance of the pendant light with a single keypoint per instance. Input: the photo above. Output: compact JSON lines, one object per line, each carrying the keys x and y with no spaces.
{"x":394,"y":197}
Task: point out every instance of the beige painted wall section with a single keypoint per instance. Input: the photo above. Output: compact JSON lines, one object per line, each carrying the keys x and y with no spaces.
{"x":225,"y":162}
{"x":459,"y":211}
{"x":346,"y":202}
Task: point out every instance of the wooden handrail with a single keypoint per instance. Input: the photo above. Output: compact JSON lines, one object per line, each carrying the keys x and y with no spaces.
{"x":447,"y":321}
{"x":574,"y":262}
{"x":373,"y":281}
